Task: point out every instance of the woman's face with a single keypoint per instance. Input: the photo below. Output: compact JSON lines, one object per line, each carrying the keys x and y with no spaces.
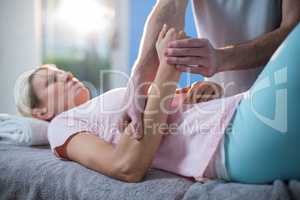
{"x":57,"y":92}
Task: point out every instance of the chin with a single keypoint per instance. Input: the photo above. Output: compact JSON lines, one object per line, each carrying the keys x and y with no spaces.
{"x":82,"y":96}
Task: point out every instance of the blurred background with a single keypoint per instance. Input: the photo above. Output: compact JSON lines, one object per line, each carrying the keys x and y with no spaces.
{"x":97,"y":40}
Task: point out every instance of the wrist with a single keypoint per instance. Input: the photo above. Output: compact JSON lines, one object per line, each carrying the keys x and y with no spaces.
{"x":166,"y":69}
{"x":225,"y":58}
{"x":167,"y":75}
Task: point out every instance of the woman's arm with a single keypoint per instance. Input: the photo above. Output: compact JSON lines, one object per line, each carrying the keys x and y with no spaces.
{"x":171,"y":12}
{"x":136,"y":155}
{"x":130,"y":159}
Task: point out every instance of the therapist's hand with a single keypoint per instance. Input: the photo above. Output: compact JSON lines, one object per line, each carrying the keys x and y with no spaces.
{"x":201,"y":91}
{"x":193,"y":55}
{"x":135,"y":104}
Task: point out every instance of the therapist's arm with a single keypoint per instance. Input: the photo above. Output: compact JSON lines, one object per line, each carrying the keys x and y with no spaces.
{"x":258,"y":52}
{"x":247,"y":55}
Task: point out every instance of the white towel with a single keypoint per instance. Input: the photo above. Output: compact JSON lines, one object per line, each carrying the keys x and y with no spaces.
{"x":23,"y":130}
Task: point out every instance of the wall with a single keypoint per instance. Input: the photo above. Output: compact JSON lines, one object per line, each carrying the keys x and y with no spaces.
{"x":19,"y":49}
{"x":120,"y":54}
{"x":138,"y":13}
{"x":20,"y":41}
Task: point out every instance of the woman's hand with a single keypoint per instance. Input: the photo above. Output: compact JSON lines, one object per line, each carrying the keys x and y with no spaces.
{"x":201,"y":91}
{"x":167,"y":35}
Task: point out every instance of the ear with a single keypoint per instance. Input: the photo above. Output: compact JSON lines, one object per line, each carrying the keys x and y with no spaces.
{"x":42,"y":113}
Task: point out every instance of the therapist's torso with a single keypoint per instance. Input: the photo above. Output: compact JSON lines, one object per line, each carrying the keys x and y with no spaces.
{"x":227,"y":22}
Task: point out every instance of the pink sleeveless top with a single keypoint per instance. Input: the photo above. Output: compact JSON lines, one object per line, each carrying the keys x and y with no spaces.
{"x":187,"y":151}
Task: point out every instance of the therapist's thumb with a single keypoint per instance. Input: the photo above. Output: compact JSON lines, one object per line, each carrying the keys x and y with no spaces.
{"x":137,"y":122}
{"x":123,"y":122}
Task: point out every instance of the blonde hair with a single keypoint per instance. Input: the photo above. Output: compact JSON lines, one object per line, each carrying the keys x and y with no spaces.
{"x":24,"y":94}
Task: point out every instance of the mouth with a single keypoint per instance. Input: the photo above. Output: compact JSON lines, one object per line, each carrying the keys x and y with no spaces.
{"x":74,"y":85}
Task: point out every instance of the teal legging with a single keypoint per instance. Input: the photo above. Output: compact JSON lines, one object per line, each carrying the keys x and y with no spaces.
{"x":263,"y":143}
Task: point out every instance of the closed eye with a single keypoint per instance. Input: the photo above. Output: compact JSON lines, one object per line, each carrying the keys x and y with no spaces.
{"x":51,"y":79}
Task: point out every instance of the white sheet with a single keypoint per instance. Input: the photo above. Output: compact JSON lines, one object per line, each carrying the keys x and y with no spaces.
{"x":22,"y":130}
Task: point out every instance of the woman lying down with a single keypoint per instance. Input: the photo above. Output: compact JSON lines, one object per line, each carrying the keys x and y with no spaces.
{"x":186,"y":139}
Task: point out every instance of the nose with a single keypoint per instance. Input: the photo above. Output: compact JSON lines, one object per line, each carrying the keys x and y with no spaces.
{"x":67,"y":76}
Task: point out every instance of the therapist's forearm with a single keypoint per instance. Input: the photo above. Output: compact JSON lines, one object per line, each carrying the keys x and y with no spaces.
{"x":252,"y":54}
{"x":170,"y":12}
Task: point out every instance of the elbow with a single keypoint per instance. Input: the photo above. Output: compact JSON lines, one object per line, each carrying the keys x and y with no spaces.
{"x":130,"y":177}
{"x":128,"y":173}
{"x":133,"y":178}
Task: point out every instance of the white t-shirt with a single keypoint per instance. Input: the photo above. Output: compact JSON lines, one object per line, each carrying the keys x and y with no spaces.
{"x":227,"y":22}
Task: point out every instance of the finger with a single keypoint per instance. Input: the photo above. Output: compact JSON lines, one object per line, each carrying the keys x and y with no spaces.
{"x":198,"y":93}
{"x":184,"y":52}
{"x":213,"y":91}
{"x":193,"y":92}
{"x":180,"y":35}
{"x":123,"y":122}
{"x":220,"y":92}
{"x":217,"y":90}
{"x":205,"y":95}
{"x":163,"y":31}
{"x":171,"y":33}
{"x":138,"y":133}
{"x":213,"y":96}
{"x":129,"y":130}
{"x":184,"y":36}
{"x":187,"y":61}
{"x":183,"y":90}
{"x":189,"y":43}
{"x":137,"y":123}
{"x":188,"y":98}
{"x":190,"y":94}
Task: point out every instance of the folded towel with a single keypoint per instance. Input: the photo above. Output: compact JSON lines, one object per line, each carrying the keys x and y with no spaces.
{"x":23,"y":130}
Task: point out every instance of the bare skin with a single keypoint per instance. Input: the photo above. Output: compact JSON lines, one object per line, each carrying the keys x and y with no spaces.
{"x":198,"y":52}
{"x":201,"y":91}
{"x":130,"y":159}
{"x":251,"y":54}
{"x":169,"y":12}
{"x":57,"y":91}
